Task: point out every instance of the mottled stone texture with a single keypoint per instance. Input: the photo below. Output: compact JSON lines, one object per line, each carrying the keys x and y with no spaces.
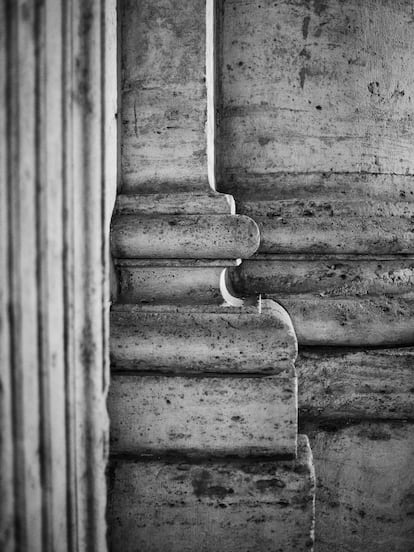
{"x":316,"y":144}
{"x":316,"y":86}
{"x":204,"y":416}
{"x":365,"y":487}
{"x":233,"y":506}
{"x":356,"y":384}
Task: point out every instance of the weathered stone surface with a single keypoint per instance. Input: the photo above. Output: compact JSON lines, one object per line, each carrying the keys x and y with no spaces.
{"x":356,"y":301}
{"x":355,"y":385}
{"x":177,"y":203}
{"x":238,"y":416}
{"x":163,"y":88}
{"x":322,"y":226}
{"x":57,"y":185}
{"x":365,"y":487}
{"x":348,"y":322}
{"x":331,"y":186}
{"x":316,"y":86}
{"x":184,"y":236}
{"x":326,"y":276}
{"x":202,"y":339}
{"x":244,"y":506}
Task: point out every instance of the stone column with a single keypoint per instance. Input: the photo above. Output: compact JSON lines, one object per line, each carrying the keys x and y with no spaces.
{"x":58,"y":162}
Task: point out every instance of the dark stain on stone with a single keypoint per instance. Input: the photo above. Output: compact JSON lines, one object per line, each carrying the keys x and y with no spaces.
{"x":135,"y":119}
{"x":374,"y":434}
{"x":304,"y":53}
{"x":264,"y":485}
{"x":201,"y":486}
{"x":398,"y":93}
{"x":407,"y":502}
{"x":305,"y":27}
{"x":87,"y":346}
{"x":302,"y":76}
{"x":320,"y":6}
{"x":373,"y":88}
{"x":263,"y":140}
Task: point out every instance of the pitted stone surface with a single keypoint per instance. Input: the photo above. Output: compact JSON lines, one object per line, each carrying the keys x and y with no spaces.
{"x":204,"y":416}
{"x":245,"y":506}
{"x":337,"y":300}
{"x":199,"y":339}
{"x":184,"y":236}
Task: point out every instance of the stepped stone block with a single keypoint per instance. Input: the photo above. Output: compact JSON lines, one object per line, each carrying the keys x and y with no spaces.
{"x":231,"y":506}
{"x":337,"y":300}
{"x":161,"y":227}
{"x":356,"y":385}
{"x":200,"y":339}
{"x":203,"y":416}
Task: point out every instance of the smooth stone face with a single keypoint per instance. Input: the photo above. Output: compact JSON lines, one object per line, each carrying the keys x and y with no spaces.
{"x":237,"y":416}
{"x":365,"y":483}
{"x":246,"y":506}
{"x":163,"y":89}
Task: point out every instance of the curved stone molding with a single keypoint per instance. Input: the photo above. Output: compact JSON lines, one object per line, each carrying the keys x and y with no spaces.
{"x":204,"y":416}
{"x":341,"y":300}
{"x":237,"y":506}
{"x":322,"y":225}
{"x":200,"y":339}
{"x":184,"y":236}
